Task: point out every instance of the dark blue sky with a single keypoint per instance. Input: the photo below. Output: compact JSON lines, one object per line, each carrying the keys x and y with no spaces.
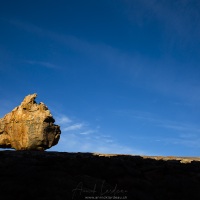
{"x":119,"y":76}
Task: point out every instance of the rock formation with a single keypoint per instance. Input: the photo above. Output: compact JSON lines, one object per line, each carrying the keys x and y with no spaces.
{"x":29,"y":126}
{"x":79,"y":176}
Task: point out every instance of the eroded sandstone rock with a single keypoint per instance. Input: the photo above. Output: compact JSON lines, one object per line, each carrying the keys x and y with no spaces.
{"x":29,"y":126}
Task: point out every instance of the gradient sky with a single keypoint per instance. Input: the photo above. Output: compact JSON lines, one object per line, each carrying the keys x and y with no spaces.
{"x":119,"y":76}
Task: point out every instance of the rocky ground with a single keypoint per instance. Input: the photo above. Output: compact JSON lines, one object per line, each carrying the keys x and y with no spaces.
{"x":56,"y":175}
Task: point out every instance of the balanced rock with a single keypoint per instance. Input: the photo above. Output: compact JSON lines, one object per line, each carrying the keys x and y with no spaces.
{"x":30,"y":126}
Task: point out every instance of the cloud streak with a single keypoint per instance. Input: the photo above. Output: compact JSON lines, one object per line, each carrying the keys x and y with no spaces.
{"x":159,"y":75}
{"x":63,"y":119}
{"x":179,"y":18}
{"x":74,"y":127}
{"x":80,"y":137}
{"x":83,"y":143}
{"x":41,"y":63}
{"x":184,"y":134}
{"x":159,"y":122}
{"x":96,"y":51}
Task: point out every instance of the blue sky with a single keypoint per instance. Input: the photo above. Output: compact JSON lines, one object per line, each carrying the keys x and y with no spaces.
{"x":119,"y":76}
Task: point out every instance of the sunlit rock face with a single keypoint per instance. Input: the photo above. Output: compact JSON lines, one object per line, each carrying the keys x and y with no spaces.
{"x":29,"y":126}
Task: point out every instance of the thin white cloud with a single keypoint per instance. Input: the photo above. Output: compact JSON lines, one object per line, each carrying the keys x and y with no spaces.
{"x":178,"y":18}
{"x":142,"y":72}
{"x":87,"y":132}
{"x":189,"y":141}
{"x":28,"y":27}
{"x":41,"y":63}
{"x":63,"y":120}
{"x":109,"y":141}
{"x":83,"y":143}
{"x":81,"y":137}
{"x":102,"y":52}
{"x":74,"y":127}
{"x":159,"y":121}
{"x":187,"y":134}
{"x":192,"y":143}
{"x":180,"y":127}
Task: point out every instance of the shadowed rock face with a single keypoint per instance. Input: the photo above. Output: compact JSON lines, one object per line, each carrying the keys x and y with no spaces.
{"x":47,"y":175}
{"x":29,"y":126}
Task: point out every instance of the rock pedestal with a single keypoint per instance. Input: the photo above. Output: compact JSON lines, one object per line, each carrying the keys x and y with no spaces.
{"x":30,"y":126}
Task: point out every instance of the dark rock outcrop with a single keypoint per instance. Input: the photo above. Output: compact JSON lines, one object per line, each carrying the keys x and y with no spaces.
{"x":29,"y":126}
{"x":59,"y":175}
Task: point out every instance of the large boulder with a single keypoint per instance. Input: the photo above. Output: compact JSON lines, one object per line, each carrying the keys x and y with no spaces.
{"x":30,"y":126}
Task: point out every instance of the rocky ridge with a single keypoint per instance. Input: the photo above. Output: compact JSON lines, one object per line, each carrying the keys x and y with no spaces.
{"x":29,"y":126}
{"x":61,"y":175}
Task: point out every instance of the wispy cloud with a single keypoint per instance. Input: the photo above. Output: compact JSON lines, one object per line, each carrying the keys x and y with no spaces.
{"x":179,"y":18}
{"x":83,"y":143}
{"x":189,"y":141}
{"x":145,"y":73}
{"x":192,"y":143}
{"x":96,"y":51}
{"x":41,"y":63}
{"x":63,"y":119}
{"x":74,"y":127}
{"x":87,"y":132}
{"x":165,"y":123}
{"x":181,"y":134}
{"x":28,"y":27}
{"x":187,"y":130}
{"x":179,"y":126}
{"x":81,"y":137}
